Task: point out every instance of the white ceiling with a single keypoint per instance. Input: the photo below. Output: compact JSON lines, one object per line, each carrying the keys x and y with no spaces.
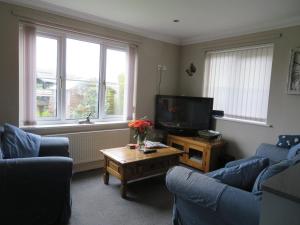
{"x":200,"y":20}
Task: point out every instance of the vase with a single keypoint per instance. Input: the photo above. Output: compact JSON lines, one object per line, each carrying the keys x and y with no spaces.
{"x":140,"y":139}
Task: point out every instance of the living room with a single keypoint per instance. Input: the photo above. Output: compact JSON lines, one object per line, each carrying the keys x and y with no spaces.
{"x":166,"y":45}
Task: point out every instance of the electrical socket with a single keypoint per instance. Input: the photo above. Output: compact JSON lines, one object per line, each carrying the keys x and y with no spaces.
{"x":161,"y":67}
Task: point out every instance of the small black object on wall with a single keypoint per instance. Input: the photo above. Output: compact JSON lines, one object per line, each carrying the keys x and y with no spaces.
{"x":218,"y":113}
{"x":191,"y":70}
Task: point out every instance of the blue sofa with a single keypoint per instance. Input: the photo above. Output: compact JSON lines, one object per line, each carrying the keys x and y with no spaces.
{"x":36,"y":191}
{"x":234,"y":206}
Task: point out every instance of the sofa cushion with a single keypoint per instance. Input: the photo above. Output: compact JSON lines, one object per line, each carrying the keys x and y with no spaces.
{"x":243,"y":175}
{"x":293,"y":151}
{"x":17,"y":143}
{"x":269,"y":172}
{"x":240,"y":161}
{"x":288,"y":141}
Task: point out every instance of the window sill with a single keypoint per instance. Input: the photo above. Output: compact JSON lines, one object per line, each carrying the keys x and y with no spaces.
{"x":74,"y":127}
{"x":263,"y":124}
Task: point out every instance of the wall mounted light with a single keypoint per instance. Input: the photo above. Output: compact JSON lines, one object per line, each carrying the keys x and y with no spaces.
{"x":161,"y":69}
{"x":191,"y":70}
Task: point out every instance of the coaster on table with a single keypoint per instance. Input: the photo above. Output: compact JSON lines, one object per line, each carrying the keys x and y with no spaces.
{"x":132,"y":146}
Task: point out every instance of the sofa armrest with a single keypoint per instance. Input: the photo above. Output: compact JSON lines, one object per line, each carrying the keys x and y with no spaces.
{"x":235,"y":206}
{"x":185,"y":183}
{"x":40,"y":169}
{"x":54,"y":146}
{"x":274,"y":153}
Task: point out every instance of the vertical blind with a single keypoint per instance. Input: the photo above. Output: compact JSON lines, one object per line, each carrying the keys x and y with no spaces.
{"x":29,"y":85}
{"x":239,"y":81}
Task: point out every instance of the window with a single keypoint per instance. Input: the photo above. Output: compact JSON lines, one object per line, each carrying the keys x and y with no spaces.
{"x":239,"y":81}
{"x":76,"y":76}
{"x":115,"y":81}
{"x":46,"y":77}
{"x":82,"y":79}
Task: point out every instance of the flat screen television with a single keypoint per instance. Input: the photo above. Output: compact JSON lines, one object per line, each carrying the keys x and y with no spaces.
{"x":183,"y":115}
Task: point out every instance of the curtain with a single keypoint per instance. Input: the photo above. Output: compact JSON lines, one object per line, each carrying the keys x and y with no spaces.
{"x":132,"y":73}
{"x":29,"y":98}
{"x":239,"y":81}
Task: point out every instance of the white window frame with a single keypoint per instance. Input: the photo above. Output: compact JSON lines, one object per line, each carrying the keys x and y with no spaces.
{"x":105,"y":47}
{"x":58,"y":78}
{"x":61,"y":38}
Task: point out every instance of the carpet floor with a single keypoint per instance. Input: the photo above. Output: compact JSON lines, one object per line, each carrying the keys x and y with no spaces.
{"x":93,"y":203}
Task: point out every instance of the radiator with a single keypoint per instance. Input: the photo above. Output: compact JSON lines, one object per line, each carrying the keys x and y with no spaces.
{"x":84,"y":146}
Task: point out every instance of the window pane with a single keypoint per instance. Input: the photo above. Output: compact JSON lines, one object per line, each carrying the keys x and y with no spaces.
{"x":83,"y":60}
{"x":46,"y":67}
{"x":82,"y":78}
{"x":81,"y":99}
{"x":116,"y":75}
{"x":239,"y":81}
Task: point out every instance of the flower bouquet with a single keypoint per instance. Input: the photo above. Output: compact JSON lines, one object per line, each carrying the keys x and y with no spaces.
{"x":141,"y":128}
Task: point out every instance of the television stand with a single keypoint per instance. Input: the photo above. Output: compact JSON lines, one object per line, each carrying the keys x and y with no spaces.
{"x":199,"y":153}
{"x":182,"y":133}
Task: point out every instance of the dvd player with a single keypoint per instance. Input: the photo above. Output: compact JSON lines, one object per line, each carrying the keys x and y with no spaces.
{"x":208,"y":134}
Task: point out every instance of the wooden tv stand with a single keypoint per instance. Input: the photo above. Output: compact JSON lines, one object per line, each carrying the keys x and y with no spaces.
{"x":199,"y":153}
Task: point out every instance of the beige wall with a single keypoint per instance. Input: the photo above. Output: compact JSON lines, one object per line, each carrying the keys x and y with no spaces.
{"x":151,"y":53}
{"x":283,"y":111}
{"x":9,"y":67}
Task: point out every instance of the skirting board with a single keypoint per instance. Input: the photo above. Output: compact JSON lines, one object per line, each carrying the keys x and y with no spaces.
{"x":80,"y":167}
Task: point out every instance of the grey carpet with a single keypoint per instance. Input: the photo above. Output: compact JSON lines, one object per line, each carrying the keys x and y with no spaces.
{"x":148,"y":203}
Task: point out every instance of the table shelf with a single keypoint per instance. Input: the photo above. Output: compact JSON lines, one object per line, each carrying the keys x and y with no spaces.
{"x":199,"y":153}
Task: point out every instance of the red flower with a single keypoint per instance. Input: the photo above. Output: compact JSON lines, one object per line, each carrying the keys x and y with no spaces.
{"x":140,"y":125}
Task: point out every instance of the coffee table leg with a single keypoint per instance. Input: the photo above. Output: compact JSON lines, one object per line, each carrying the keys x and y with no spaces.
{"x":106,"y":174}
{"x":123,"y":188}
{"x":106,"y":177}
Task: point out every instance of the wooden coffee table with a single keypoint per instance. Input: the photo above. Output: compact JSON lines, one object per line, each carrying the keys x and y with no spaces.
{"x":131,"y":164}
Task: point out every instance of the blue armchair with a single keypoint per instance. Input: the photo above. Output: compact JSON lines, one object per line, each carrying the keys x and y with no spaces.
{"x":36,"y":191}
{"x":234,"y":206}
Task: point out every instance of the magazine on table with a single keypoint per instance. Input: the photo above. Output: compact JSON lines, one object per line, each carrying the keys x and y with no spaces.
{"x":154,"y":144}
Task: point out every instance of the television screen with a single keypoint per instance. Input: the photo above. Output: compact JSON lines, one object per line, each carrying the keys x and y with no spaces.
{"x":183,"y":113}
